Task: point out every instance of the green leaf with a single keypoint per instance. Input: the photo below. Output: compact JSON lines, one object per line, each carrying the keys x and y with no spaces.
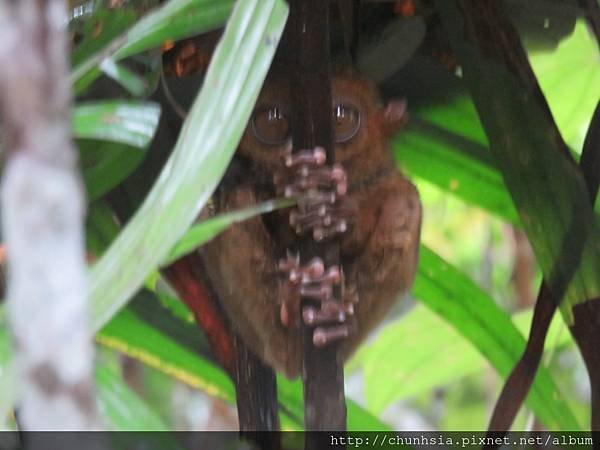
{"x":453,"y":296}
{"x":105,"y":165}
{"x":120,"y":407}
{"x":134,"y":84}
{"x":95,"y":30}
{"x":132,"y":336}
{"x":131,"y":332}
{"x":209,"y":228}
{"x":132,"y":123}
{"x":101,"y":228}
{"x":174,"y":20}
{"x":422,"y":342}
{"x":445,"y":145}
{"x":201,"y":155}
{"x":544,"y":182}
{"x":570,"y":80}
{"x":360,"y":419}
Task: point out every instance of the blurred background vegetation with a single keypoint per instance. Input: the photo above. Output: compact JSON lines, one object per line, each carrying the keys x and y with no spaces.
{"x":439,"y":365}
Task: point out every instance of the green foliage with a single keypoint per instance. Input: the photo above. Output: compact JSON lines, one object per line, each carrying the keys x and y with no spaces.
{"x":132,"y":123}
{"x":425,"y":342}
{"x":131,"y":335}
{"x":445,"y":145}
{"x":475,"y":315}
{"x":544,"y":182}
{"x":176,"y":19}
{"x":125,"y":410}
{"x":570,"y":79}
{"x":200,"y":157}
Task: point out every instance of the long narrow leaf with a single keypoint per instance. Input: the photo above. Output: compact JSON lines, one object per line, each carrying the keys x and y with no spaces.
{"x":177,"y":19}
{"x":135,"y":84}
{"x":570,"y":80}
{"x":98,"y":27}
{"x":544,"y":182}
{"x":439,"y":147}
{"x":446,"y":145}
{"x":205,"y":146}
{"x":121,"y":408}
{"x":206,"y":230}
{"x":473,"y":314}
{"x":130,"y":335}
{"x":174,"y":20}
{"x":106,"y":164}
{"x":420,"y":343}
{"x":131,"y":123}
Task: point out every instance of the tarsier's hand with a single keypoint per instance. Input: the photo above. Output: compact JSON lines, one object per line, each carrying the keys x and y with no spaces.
{"x":312,"y":281}
{"x":323,"y":207}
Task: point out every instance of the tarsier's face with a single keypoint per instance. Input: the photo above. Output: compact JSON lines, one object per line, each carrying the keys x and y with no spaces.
{"x":269,"y":130}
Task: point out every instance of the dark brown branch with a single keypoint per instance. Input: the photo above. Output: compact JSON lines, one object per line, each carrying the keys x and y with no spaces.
{"x":586,"y":328}
{"x":308,"y":40}
{"x":519,"y":382}
{"x":256,"y":396}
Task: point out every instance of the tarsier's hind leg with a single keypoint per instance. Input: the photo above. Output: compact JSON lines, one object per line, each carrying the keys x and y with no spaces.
{"x":386,"y":268}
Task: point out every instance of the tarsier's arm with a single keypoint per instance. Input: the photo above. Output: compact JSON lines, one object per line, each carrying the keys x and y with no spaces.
{"x":386,"y":267}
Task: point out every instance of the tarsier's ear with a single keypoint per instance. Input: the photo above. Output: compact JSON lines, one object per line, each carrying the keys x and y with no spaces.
{"x":393,"y":116}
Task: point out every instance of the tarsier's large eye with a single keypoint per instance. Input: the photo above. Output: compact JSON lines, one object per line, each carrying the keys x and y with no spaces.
{"x":271,"y":125}
{"x":346,"y":121}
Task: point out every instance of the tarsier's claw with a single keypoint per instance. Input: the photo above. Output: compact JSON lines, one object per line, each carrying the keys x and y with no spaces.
{"x":330,"y":312}
{"x":325,"y":335}
{"x":315,"y":156}
{"x":324,"y":221}
{"x":314,"y":282}
{"x":323,"y":209}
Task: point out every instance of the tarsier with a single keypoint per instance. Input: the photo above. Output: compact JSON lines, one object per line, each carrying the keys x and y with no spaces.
{"x":363,"y":198}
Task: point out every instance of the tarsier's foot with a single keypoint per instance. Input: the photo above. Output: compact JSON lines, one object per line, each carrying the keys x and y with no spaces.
{"x":312,"y":281}
{"x":323,"y":207}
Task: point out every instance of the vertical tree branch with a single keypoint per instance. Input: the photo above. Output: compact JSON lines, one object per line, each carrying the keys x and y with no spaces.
{"x":43,"y":211}
{"x":324,"y":402}
{"x":256,"y":396}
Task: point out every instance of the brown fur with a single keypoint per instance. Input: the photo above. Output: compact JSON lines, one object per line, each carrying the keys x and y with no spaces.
{"x":378,"y":253}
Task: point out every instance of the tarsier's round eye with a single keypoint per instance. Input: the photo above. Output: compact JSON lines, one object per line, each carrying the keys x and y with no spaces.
{"x":271,"y":125}
{"x":346,"y":122}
